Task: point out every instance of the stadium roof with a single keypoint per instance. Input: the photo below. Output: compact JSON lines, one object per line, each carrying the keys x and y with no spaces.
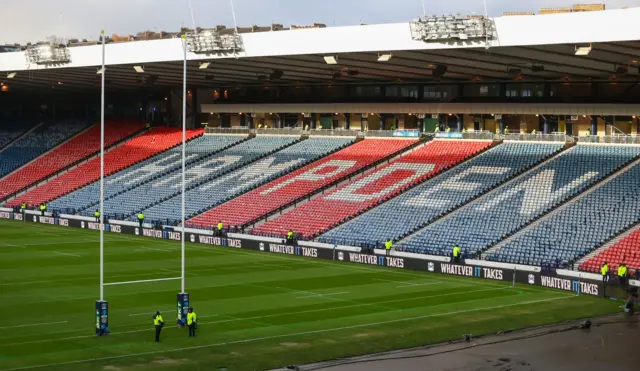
{"x":542,"y":47}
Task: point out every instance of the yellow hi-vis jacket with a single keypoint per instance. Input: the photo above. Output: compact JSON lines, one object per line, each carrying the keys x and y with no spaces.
{"x":140,"y":216}
{"x":191,"y":318}
{"x":604,"y":270}
{"x":97,"y":214}
{"x":456,"y":251}
{"x":388,"y":245}
{"x":290,"y":235}
{"x":622,"y":271}
{"x":220,"y":226}
{"x":157,"y":320}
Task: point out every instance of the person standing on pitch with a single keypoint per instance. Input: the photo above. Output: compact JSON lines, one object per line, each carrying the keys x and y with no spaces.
{"x":43,"y":208}
{"x":456,"y":253}
{"x":387,"y":246}
{"x":158,"y":323}
{"x":622,"y":274}
{"x":97,"y":215}
{"x":140,"y":218}
{"x":605,"y":272}
{"x":192,"y":322}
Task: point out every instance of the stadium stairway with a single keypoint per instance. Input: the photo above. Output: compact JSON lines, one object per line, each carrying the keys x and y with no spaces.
{"x":236,"y":182}
{"x":625,"y":248}
{"x":77,"y":149}
{"x":518,"y":203}
{"x":446,"y":193}
{"x":578,"y":226}
{"x":303,"y":183}
{"x":165,"y":164}
{"x":200,"y":173}
{"x":37,"y":142}
{"x":136,"y":150}
{"x":370,"y":189}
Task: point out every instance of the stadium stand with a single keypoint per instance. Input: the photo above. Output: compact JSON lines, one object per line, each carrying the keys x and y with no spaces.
{"x":36,"y":143}
{"x":580,"y":227}
{"x":367,"y":191}
{"x":242,"y":180}
{"x":149,"y":170}
{"x":285,"y":190}
{"x":74,"y":150}
{"x":133,"y":151}
{"x":167,"y":185}
{"x":516,"y":204}
{"x":436,"y":197}
{"x":626,"y":250}
{"x":9,"y":131}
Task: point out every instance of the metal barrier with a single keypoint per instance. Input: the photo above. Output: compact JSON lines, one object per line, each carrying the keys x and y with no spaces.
{"x":283,"y":131}
{"x":234,"y":130}
{"x":589,"y":139}
{"x":333,"y":132}
{"x":481,"y":135}
{"x":559,"y":137}
{"x":620,"y":139}
{"x":378,"y":133}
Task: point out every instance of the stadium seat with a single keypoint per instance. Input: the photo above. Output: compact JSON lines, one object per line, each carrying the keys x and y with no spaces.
{"x":9,"y":131}
{"x":626,"y":250}
{"x":297,"y":184}
{"x":36,"y":143}
{"x":74,"y":150}
{"x":167,"y":184}
{"x":133,"y":151}
{"x":223,"y":188}
{"x":580,"y":227}
{"x":370,"y":189}
{"x":162,"y":164}
{"x":430,"y":200}
{"x":511,"y":207}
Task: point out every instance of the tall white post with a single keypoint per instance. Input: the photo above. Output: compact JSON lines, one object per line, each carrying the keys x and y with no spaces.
{"x":102,"y":174}
{"x":424,"y":10}
{"x":184,"y":140}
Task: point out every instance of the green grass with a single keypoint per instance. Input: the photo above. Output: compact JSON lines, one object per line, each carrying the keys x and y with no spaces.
{"x":256,"y":310}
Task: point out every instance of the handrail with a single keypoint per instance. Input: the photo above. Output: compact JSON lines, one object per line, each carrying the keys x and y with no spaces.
{"x":558,"y":137}
{"x":233,"y":130}
{"x":616,"y":139}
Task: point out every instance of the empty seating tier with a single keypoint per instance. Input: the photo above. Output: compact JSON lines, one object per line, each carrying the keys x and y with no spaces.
{"x":76,"y":149}
{"x":167,"y":185}
{"x":158,"y":166}
{"x":36,"y":143}
{"x":370,"y":189}
{"x":9,"y":131}
{"x":626,"y":250}
{"x":512,"y":206}
{"x":430,"y":200}
{"x":135,"y":150}
{"x":313,"y":177}
{"x":224,"y":188}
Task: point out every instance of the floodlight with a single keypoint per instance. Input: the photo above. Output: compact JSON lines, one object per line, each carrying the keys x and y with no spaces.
{"x":11,"y":75}
{"x":331,"y":59}
{"x":385,"y":57}
{"x":204,"y":65}
{"x":139,"y":69}
{"x":583,"y":50}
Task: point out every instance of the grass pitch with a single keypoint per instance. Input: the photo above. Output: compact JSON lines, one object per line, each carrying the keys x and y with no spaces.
{"x":256,"y":310}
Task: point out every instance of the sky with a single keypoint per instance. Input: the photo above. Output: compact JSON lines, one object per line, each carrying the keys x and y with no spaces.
{"x":22,"y":21}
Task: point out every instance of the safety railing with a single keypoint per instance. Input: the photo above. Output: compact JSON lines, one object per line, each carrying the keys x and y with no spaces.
{"x":282,"y":131}
{"x":480,"y":135}
{"x":333,"y":132}
{"x":620,"y":139}
{"x":556,"y":137}
{"x":234,"y":130}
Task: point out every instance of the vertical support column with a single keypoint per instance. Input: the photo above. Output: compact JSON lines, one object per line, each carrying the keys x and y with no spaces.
{"x":347,"y":121}
{"x":250,"y":121}
{"x":501,"y":126}
{"x":420,"y":125}
{"x":545,"y":126}
{"x":280,"y":120}
{"x":460,"y":124}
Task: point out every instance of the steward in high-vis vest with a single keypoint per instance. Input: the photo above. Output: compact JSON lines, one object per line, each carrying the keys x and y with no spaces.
{"x":192,"y":322}
{"x":290,"y":236}
{"x":220,"y":227}
{"x":158,"y":323}
{"x":622,"y":274}
{"x":456,"y":253}
{"x":23,"y":207}
{"x":605,"y":272}
{"x":388,"y":245}
{"x":97,"y":215}
{"x":140,"y":219}
{"x":43,"y":208}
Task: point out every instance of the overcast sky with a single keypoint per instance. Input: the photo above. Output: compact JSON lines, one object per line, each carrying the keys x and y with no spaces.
{"x":34,"y":20}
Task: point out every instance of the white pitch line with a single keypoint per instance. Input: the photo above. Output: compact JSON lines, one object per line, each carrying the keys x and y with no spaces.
{"x":153,"y":248}
{"x":150,"y":313}
{"x":420,"y":284}
{"x":67,"y":254}
{"x":10,"y":245}
{"x":244,"y":341}
{"x":33,"y":324}
{"x":142,"y":281}
{"x":322,"y":295}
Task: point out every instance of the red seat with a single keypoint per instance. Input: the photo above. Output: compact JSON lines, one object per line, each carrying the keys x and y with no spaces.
{"x":626,"y":250}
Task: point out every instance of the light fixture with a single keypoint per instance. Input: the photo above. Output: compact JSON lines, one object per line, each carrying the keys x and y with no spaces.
{"x":11,"y":75}
{"x":165,"y":98}
{"x":537,"y":115}
{"x":583,"y":50}
{"x":385,"y":57}
{"x":139,"y":69}
{"x":331,"y":59}
{"x":204,"y":65}
{"x":60,"y":83}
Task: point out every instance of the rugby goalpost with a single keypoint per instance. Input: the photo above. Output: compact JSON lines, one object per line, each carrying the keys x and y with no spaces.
{"x":102,"y":306}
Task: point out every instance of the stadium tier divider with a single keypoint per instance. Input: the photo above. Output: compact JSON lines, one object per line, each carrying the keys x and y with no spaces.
{"x":222,"y":173}
{"x":333,"y":183}
{"x":241,"y":169}
{"x":42,"y":195}
{"x":469,"y":215}
{"x":8,"y":136}
{"x":173,"y":170}
{"x":140,"y":130}
{"x":38,"y":142}
{"x":330,"y":235}
{"x":263,"y":230}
